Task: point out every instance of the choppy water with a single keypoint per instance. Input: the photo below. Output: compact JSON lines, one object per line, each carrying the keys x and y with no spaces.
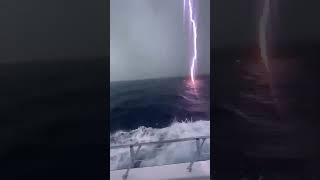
{"x":158,"y":109}
{"x":266,"y":122}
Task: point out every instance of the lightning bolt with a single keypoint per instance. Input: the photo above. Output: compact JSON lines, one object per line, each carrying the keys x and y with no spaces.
{"x":263,"y":33}
{"x":194,"y":30}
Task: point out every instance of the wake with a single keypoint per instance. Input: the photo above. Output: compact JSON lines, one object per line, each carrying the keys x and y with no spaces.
{"x":153,"y":155}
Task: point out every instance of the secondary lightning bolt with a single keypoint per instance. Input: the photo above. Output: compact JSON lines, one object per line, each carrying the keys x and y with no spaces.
{"x":263,"y":33}
{"x":263,"y":41}
{"x":194,"y":30}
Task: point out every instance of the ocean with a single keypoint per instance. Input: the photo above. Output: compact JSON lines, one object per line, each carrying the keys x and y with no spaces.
{"x":158,"y":109}
{"x":266,"y":122}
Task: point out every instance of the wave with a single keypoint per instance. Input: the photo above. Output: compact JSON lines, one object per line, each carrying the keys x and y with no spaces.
{"x":153,"y":155}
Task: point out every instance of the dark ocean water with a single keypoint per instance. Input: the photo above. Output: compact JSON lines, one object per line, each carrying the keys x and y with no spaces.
{"x":158,"y":109}
{"x":157,"y":102}
{"x":266,"y":123}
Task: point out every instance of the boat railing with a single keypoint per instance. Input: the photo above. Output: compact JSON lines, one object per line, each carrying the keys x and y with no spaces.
{"x":133,"y":153}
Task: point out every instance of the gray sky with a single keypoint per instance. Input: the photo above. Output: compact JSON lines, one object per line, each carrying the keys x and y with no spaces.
{"x":148,"y":39}
{"x":43,"y":29}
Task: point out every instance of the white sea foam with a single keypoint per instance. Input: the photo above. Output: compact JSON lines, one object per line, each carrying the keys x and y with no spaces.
{"x":153,"y":155}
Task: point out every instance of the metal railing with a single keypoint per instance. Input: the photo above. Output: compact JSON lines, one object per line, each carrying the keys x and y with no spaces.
{"x":133,"y":154}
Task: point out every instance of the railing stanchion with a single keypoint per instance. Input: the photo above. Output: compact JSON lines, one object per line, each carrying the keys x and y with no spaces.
{"x":133,"y":156}
{"x":124,"y":177}
{"x":197,"y":154}
{"x":194,"y":158}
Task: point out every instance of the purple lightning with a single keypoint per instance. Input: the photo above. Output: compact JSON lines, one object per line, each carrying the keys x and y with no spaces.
{"x":263,"y":33}
{"x":194,"y":30}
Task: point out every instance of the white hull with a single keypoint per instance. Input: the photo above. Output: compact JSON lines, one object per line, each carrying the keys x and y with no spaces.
{"x":200,"y":171}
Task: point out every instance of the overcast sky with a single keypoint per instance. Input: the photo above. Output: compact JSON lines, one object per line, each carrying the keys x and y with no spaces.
{"x":148,"y":39}
{"x":44,"y":29}
{"x":50,"y":29}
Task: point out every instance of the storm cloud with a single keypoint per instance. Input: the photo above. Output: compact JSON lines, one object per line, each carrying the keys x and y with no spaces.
{"x":149,"y":40}
{"x":40,"y":29}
